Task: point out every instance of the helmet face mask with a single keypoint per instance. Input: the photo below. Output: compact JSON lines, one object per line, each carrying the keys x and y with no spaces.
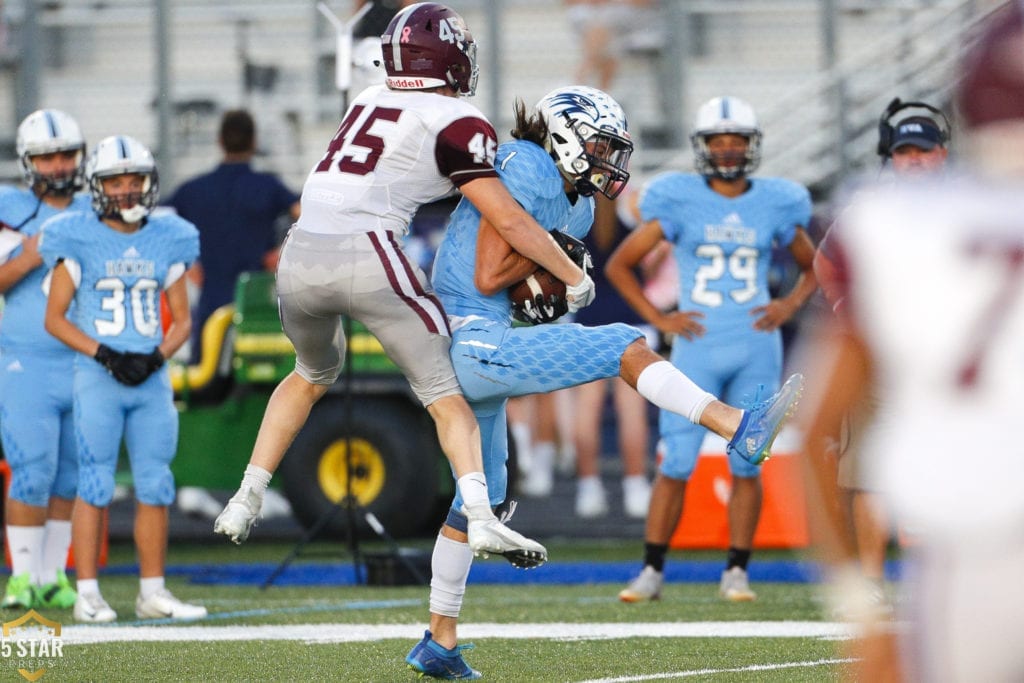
{"x":718,"y":117}
{"x":50,"y":131}
{"x":588,"y":138}
{"x":121,"y":155}
{"x":427,"y":45}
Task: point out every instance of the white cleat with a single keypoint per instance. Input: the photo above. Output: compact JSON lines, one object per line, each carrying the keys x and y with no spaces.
{"x":491,"y":537}
{"x":239,"y":515}
{"x":93,"y":609}
{"x":163,"y":605}
{"x":735,"y":587}
{"x":646,"y":586}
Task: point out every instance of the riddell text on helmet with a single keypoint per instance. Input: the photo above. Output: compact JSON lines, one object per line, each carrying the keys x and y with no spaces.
{"x":406,"y":82}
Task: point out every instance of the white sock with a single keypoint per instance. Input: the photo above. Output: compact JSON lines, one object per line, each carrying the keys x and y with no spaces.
{"x":150,"y":585}
{"x":521,"y":434}
{"x":256,"y":478}
{"x":590,"y":483}
{"x":543,"y":458}
{"x":635,"y":482}
{"x":665,"y":386}
{"x":56,"y":541}
{"x":449,"y":566}
{"x":26,"y":546}
{"x":476,"y":498}
{"x":88,"y":586}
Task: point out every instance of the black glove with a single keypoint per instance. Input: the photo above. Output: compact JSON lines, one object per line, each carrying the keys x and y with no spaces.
{"x":576,"y":250}
{"x":130,"y":369}
{"x":135,"y":368}
{"x":107,"y":357}
{"x":537,"y":312}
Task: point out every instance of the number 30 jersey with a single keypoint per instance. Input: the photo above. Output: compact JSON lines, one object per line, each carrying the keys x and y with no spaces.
{"x":395,"y":151}
{"x":723,"y":245}
{"x":119,"y":276}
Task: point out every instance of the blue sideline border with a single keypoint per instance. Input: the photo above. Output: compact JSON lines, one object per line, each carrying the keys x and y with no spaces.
{"x":496,"y":572}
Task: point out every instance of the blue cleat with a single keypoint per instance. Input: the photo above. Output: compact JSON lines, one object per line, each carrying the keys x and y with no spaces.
{"x":762,"y":422}
{"x":427,"y":658}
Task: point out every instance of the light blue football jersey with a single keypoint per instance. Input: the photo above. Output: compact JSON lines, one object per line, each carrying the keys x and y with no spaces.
{"x":122,"y":275}
{"x":533,"y":179}
{"x":724,"y":245}
{"x":21,"y":327}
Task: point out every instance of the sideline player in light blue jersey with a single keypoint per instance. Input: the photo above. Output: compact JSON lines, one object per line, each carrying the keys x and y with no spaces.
{"x":723,"y":225}
{"x":574,"y":144}
{"x":35,"y":369}
{"x":113,"y":263}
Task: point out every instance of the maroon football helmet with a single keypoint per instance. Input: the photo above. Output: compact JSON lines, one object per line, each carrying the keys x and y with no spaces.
{"x":991,"y":88}
{"x":427,"y":45}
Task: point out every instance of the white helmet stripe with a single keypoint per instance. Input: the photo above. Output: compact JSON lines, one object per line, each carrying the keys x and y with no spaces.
{"x":396,"y":39}
{"x":52,"y":125}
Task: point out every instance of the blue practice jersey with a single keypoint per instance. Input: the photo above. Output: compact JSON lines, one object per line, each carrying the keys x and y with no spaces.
{"x":25,"y":303}
{"x":723,"y":245}
{"x":120,"y":276}
{"x":533,"y":179}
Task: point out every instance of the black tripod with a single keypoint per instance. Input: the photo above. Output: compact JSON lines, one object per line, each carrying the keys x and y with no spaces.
{"x":350,"y":503}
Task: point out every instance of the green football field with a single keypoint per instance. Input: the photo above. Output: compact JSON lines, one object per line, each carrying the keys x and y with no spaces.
{"x":522,"y":632}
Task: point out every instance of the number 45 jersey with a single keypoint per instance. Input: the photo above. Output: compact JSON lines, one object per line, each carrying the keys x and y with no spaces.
{"x":119,"y":276}
{"x":723,"y":245}
{"x":395,"y":151}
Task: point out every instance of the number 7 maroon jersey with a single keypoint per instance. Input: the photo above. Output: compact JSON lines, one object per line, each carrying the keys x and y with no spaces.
{"x":934,"y":282}
{"x":395,"y":151}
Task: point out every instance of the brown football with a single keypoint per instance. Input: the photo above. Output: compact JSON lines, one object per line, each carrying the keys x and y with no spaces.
{"x":541,"y":282}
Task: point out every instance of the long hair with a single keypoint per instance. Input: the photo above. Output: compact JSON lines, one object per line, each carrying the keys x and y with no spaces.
{"x":529,"y":126}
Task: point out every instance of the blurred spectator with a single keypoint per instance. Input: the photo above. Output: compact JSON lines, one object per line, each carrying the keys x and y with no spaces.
{"x":604,"y":28}
{"x":236,"y":210}
{"x":544,"y":423}
{"x":630,"y":408}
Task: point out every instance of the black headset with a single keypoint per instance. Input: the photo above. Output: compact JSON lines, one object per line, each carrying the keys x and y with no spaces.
{"x":886,"y":131}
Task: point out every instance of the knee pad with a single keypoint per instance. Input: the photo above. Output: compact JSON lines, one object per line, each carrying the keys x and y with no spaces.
{"x":679,"y":454}
{"x":96,"y":486}
{"x":449,"y":567}
{"x":154,"y":484}
{"x":31,"y":482}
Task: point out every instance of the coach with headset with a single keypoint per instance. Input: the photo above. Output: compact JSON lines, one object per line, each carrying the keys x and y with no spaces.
{"x":917,"y":144}
{"x":913,"y":148}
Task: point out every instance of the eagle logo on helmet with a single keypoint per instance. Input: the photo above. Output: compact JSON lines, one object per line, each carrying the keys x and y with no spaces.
{"x":575,"y":103}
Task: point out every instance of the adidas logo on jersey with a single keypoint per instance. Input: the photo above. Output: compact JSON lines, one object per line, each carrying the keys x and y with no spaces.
{"x":131,"y":252}
{"x":15,"y":367}
{"x":733,"y":218}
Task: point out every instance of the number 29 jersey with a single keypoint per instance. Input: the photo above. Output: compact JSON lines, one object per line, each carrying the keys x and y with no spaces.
{"x":723,"y":245}
{"x":119,"y":276}
{"x":395,"y":151}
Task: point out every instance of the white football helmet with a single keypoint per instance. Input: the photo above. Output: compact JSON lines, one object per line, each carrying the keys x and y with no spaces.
{"x":726,"y":115}
{"x":43,"y":132}
{"x":122,"y":155}
{"x":588,"y":138}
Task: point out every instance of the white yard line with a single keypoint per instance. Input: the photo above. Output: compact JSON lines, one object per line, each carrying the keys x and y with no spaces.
{"x":710,"y":672}
{"x":350,"y":633}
